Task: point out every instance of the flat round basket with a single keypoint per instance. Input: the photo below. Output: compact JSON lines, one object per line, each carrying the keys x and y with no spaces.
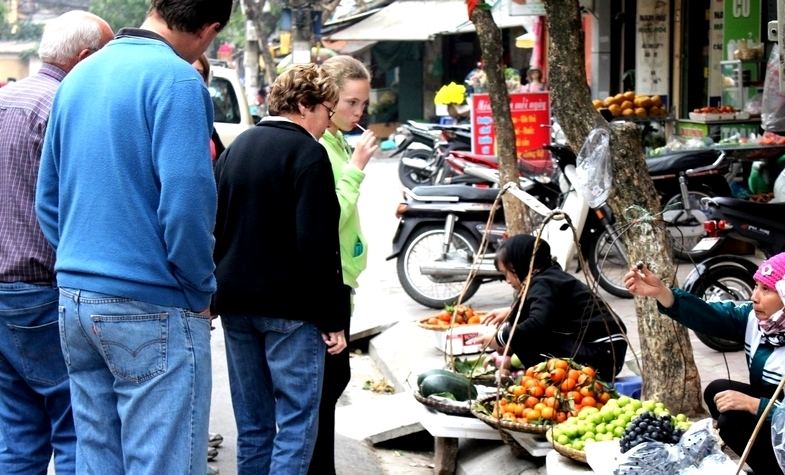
{"x":509,"y":425}
{"x":452,"y":409}
{"x":423,"y":323}
{"x":569,"y":452}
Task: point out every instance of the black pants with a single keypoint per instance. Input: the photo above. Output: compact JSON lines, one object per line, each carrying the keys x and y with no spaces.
{"x":337,"y":373}
{"x":736,"y":427}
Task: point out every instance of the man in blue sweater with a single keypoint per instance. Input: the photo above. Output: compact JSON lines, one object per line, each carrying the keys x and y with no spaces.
{"x":127,"y":198}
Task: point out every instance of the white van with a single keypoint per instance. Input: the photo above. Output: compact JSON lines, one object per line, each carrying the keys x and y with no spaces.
{"x":231,"y":113}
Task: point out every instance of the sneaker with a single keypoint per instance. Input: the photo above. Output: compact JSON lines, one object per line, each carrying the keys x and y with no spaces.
{"x":212,"y":453}
{"x":215,"y":439}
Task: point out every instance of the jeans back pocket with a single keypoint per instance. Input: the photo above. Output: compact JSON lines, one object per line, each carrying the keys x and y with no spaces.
{"x":134,"y":346}
{"x":40,"y":353}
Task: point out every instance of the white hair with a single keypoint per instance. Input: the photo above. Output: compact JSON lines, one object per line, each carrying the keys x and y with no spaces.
{"x":67,"y":35}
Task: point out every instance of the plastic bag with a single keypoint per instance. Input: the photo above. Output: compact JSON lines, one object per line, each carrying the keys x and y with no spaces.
{"x":778,"y":435}
{"x":697,"y":452}
{"x":593,"y":169}
{"x":772,"y":112}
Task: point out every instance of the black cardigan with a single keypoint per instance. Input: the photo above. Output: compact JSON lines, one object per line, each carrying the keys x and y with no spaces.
{"x":560,"y":314}
{"x":276,"y":231}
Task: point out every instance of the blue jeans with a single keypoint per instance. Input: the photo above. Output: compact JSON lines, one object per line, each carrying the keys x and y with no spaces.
{"x":140,"y":384}
{"x":35,"y":403}
{"x":275,"y":374}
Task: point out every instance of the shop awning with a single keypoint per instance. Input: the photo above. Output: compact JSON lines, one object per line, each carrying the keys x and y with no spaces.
{"x":408,"y":20}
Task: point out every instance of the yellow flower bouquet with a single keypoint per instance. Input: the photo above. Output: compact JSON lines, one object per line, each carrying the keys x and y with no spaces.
{"x":451,"y":94}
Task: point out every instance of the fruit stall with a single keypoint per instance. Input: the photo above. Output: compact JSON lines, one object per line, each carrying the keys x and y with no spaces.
{"x":558,"y":406}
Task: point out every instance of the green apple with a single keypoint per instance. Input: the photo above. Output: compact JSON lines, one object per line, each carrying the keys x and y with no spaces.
{"x":636,"y":404}
{"x":563,"y":439}
{"x":515,"y":362}
{"x":622,"y":401}
{"x":681,"y":417}
{"x":578,"y":444}
{"x":618,"y":431}
{"x":600,"y":428}
{"x":649,"y":405}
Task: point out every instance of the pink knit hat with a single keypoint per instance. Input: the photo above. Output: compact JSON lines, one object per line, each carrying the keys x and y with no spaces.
{"x":771,"y":271}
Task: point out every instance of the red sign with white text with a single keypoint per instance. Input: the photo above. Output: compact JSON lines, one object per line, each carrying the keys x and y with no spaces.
{"x":531,"y":118}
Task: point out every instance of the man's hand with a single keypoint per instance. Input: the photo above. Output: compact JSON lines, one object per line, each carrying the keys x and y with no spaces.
{"x":736,"y":401}
{"x":335,"y":341}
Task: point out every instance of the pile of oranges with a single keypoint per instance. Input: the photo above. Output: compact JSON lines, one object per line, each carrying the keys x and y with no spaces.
{"x":550,"y":392}
{"x":464,"y":315}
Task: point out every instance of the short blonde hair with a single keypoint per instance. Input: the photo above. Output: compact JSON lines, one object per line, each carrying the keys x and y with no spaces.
{"x":305,"y":84}
{"x":343,"y":68}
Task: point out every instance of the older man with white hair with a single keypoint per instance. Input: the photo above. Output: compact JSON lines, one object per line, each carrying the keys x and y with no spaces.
{"x":35,"y":402}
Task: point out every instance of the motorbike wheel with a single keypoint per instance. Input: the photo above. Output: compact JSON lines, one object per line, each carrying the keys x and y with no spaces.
{"x":412,"y":177}
{"x":674,"y":213}
{"x":723,"y":282}
{"x":607,"y":261}
{"x":425,"y":245}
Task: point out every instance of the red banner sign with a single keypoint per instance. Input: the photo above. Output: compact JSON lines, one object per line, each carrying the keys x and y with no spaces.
{"x":531,"y":118}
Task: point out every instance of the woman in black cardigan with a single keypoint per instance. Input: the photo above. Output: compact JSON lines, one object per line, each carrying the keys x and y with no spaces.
{"x":276,"y":235}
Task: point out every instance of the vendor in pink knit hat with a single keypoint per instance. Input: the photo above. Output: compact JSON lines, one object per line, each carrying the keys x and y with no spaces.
{"x":735,"y":405}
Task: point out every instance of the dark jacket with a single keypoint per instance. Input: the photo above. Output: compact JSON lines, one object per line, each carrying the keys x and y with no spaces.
{"x":561,"y":317}
{"x":277,"y":229}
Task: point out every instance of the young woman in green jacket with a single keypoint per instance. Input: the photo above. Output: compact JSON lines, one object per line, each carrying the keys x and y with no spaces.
{"x":354,"y":83}
{"x":735,"y":405}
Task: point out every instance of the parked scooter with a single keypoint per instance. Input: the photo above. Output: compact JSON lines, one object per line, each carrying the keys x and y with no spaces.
{"x":726,"y":276}
{"x":423,"y":147}
{"x":441,"y":227}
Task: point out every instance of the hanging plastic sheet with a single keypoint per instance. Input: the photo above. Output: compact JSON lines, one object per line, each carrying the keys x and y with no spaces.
{"x":593,"y":169}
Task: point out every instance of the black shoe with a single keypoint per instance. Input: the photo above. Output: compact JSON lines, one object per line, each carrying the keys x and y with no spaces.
{"x":212,"y":453}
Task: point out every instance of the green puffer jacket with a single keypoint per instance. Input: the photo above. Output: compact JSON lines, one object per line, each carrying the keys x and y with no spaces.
{"x":734,"y":321}
{"x":354,"y":251}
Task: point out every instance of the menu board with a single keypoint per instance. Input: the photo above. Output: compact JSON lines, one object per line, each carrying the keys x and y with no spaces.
{"x":531,"y":118}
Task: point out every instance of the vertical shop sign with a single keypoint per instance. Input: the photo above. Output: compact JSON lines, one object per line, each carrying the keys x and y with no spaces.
{"x":716,"y":12}
{"x":531,"y":118}
{"x":742,"y":24}
{"x":652,"y":72}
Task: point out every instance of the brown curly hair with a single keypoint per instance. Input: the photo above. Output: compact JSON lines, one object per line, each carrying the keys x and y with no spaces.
{"x":305,"y":84}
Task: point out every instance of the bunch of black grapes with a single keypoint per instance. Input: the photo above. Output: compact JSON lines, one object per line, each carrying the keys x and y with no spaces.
{"x":650,"y":428}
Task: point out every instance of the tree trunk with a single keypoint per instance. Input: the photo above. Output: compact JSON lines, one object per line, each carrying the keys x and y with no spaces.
{"x":668,"y":367}
{"x":253,"y":14}
{"x":491,"y":45}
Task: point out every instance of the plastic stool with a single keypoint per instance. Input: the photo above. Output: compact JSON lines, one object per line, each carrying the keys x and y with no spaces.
{"x":629,"y":386}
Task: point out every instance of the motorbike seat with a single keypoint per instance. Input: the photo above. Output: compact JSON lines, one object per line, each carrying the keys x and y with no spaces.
{"x":526,"y":167}
{"x":768,"y":215}
{"x":674,"y":163}
{"x":463,"y":192}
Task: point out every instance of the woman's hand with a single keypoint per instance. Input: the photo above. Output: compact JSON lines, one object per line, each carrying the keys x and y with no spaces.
{"x":364,"y":149}
{"x":487,"y":340}
{"x":335,"y":341}
{"x":496,"y":316}
{"x":643,"y":282}
{"x":736,"y":401}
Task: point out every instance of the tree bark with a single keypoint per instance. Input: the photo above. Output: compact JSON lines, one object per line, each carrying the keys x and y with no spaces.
{"x":668,"y":366}
{"x":490,"y":37}
{"x":253,"y":14}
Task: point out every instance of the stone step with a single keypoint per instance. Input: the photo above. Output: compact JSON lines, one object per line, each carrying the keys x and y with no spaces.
{"x":376,"y":421}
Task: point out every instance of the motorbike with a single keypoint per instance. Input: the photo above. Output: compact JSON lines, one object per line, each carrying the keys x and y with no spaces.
{"x":440,"y":229}
{"x":423,"y":147}
{"x":681,"y":180}
{"x":727,"y":276}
